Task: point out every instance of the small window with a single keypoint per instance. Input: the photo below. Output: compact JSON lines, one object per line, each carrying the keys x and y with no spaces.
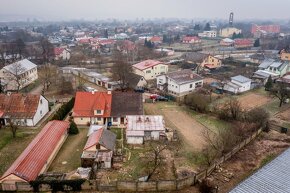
{"x":40,"y":101}
{"x":115,"y":119}
{"x":40,"y":112}
{"x":99,"y":111}
{"x":99,"y":118}
{"x":190,"y":86}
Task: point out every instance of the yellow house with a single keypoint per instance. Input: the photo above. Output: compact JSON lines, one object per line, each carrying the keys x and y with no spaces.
{"x":229,"y":31}
{"x":211,"y":62}
{"x":150,"y":69}
{"x":284,"y":55}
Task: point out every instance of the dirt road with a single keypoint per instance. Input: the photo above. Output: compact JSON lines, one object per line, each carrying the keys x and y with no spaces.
{"x":176,"y":118}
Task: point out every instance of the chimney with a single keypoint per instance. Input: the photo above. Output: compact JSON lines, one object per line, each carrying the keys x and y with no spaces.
{"x":109,"y":92}
{"x":93,"y":92}
{"x":191,"y":76}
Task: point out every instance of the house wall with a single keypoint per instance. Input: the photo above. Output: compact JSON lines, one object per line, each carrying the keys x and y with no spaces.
{"x":229,"y":31}
{"x":183,"y":89}
{"x":155,"y":135}
{"x":244,"y":86}
{"x":153,"y":72}
{"x":82,"y":120}
{"x":42,"y":110}
{"x":142,"y":83}
{"x":161,"y":80}
{"x":8,"y":183}
{"x":285,"y":56}
{"x":215,"y":62}
{"x":230,"y":89}
{"x":135,"y":140}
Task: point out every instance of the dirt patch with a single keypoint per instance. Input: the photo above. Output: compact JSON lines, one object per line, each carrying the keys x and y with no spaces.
{"x":249,"y":159}
{"x":284,"y":115}
{"x":252,"y":100}
{"x":176,"y":118}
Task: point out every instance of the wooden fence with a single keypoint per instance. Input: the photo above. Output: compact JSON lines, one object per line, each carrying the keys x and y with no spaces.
{"x":154,"y":186}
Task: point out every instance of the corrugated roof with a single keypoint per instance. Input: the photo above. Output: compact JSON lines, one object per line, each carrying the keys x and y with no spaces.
{"x":19,"y":105}
{"x":184,"y":76}
{"x":30,"y":163}
{"x":20,"y":67}
{"x":274,"y":177}
{"x":266,"y":63}
{"x":146,"y":64}
{"x":241,"y":79}
{"x":145,"y":123}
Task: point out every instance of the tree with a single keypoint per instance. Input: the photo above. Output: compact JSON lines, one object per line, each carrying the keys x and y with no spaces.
{"x":280,"y":91}
{"x":207,"y":27}
{"x":106,"y":34}
{"x":259,"y":116}
{"x":269,"y":84}
{"x":20,"y":46}
{"x":47,"y":50}
{"x":154,"y":159}
{"x":121,"y":70}
{"x":13,"y":128}
{"x":231,"y":110}
{"x":257,"y":43}
{"x":15,"y":75}
{"x":197,"y":102}
{"x":1,"y":87}
{"x":64,"y":86}
{"x":196,"y":27}
{"x":47,"y":74}
{"x":73,"y":129}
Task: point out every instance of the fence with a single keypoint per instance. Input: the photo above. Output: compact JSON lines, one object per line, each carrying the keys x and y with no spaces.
{"x":154,"y":186}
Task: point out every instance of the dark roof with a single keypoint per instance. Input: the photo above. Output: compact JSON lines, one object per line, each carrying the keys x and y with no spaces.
{"x":195,"y":57}
{"x":134,"y":80}
{"x":184,"y":76}
{"x":108,"y":139}
{"x":126,"y":103}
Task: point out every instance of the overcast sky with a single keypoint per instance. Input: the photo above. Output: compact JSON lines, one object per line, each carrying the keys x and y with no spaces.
{"x":131,"y":9}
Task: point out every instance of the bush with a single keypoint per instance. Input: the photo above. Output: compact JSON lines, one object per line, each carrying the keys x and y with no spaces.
{"x":197,"y":102}
{"x":62,"y":112}
{"x":206,"y":186}
{"x":73,"y":129}
{"x":259,"y":116}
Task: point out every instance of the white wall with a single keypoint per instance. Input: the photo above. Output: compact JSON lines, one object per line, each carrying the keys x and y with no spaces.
{"x":42,"y":110}
{"x":135,"y":140}
{"x":152,"y":72}
{"x":183,"y":88}
{"x":244,"y":86}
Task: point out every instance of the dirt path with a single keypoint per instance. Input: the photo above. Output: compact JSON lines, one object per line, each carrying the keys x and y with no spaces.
{"x":175,"y":118}
{"x":70,"y":153}
{"x":253,"y":100}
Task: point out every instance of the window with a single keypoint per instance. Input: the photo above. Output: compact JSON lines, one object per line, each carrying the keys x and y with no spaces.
{"x":99,"y":111}
{"x":99,"y":119}
{"x":40,"y":112}
{"x":148,"y":71}
{"x":115,"y":119}
{"x":40,"y":101}
{"x":190,"y":86}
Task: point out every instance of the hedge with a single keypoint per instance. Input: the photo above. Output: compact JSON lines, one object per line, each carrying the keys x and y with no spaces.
{"x":62,"y":112}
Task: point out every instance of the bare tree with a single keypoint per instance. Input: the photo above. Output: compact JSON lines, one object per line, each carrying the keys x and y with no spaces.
{"x":15,"y":72}
{"x":13,"y":128}
{"x":47,"y":74}
{"x":121,"y":70}
{"x":154,"y":159}
{"x":231,"y":110}
{"x":280,"y":91}
{"x":47,"y":50}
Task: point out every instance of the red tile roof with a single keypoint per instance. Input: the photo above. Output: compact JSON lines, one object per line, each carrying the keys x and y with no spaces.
{"x":190,"y":38}
{"x":87,"y":102}
{"x":19,"y":105}
{"x":32,"y":160}
{"x":146,"y":64}
{"x":156,"y":39}
{"x":58,"y":51}
{"x":94,"y":138}
{"x":243,"y":42}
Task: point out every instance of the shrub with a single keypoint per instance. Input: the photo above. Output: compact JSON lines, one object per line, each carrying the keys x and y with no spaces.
{"x":206,"y":186}
{"x":197,"y":102}
{"x":73,"y":129}
{"x":259,"y":116}
{"x":63,"y":110}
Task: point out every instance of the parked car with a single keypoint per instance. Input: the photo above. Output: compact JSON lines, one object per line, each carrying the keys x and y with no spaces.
{"x":140,"y":90}
{"x":162,"y":98}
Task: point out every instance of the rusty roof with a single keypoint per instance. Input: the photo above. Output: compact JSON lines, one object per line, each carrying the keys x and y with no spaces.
{"x":32,"y":160}
{"x":19,"y":105}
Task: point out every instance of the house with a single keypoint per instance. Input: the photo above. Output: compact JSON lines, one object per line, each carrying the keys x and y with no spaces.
{"x":142,"y":128}
{"x":18,"y":75}
{"x":273,"y":177}
{"x":238,"y":84}
{"x":243,"y":43}
{"x":156,"y":40}
{"x":270,"y":67}
{"x":202,"y":60}
{"x":61,"y":53}
{"x":37,"y":156}
{"x":23,"y":110}
{"x":227,"y":42}
{"x":106,"y":108}
{"x":208,"y":34}
{"x":150,"y":69}
{"x":136,"y":82}
{"x":285,"y":55}
{"x":191,"y":40}
{"x":179,"y":83}
{"x":165,"y":51}
{"x":266,"y":28}
{"x":229,"y":31}
{"x":99,"y":149}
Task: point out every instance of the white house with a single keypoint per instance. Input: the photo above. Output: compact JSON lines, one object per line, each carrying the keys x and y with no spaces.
{"x":61,"y":54}
{"x":238,"y":84}
{"x":208,"y":34}
{"x":23,"y":110}
{"x":150,"y":69}
{"x":179,"y":83}
{"x":143,"y":127}
{"x":18,"y":75}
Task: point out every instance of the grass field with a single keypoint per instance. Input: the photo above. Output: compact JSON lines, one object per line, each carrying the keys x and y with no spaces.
{"x":11,"y":148}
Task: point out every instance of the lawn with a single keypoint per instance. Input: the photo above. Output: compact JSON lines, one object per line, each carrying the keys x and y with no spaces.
{"x":69,"y":157}
{"x":16,"y":145}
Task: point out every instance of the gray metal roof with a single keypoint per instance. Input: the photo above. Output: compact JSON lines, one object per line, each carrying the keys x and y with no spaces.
{"x":184,"y":76}
{"x":266,"y":63}
{"x":276,"y":64}
{"x":241,"y":79}
{"x":274,"y":177}
{"x":20,"y":67}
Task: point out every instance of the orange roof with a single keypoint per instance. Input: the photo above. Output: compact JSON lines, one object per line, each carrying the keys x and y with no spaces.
{"x":87,"y":102}
{"x":32,"y":160}
{"x":19,"y":105}
{"x":146,"y":64}
{"x":94,"y":138}
{"x":58,"y":51}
